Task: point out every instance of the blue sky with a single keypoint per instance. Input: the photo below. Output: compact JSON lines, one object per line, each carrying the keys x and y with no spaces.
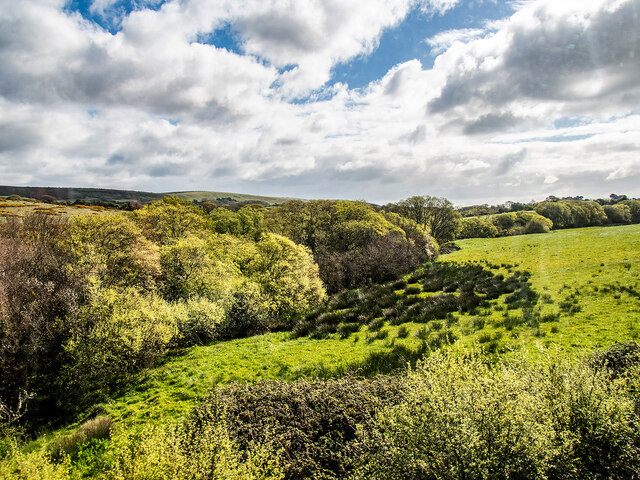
{"x":480,"y":101}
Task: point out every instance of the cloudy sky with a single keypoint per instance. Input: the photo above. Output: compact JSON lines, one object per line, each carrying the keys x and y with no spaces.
{"x":475,"y":100}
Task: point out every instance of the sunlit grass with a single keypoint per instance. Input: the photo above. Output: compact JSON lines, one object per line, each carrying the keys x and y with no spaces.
{"x":597,"y":269}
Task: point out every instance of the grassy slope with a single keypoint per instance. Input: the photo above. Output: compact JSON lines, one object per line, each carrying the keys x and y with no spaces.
{"x":203,"y":196}
{"x":560,"y":262}
{"x":19,"y":208}
{"x":172,"y":389}
{"x":581,"y":262}
{"x":122,"y":196}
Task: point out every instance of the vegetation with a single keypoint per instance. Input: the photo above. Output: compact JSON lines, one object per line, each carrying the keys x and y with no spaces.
{"x":194,"y":341}
{"x":352,"y":243}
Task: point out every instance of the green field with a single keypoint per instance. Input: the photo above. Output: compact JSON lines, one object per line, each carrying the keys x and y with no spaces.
{"x":597,"y":269}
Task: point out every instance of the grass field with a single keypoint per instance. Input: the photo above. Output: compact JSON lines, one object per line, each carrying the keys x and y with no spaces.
{"x":20,"y":208}
{"x":589,"y":276}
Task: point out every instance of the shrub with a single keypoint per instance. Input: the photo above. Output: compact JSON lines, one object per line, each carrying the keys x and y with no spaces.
{"x":477,"y":227}
{"x":179,"y":452}
{"x":538,"y":225}
{"x":346,"y":329}
{"x":412,"y":290}
{"x":402,"y":332}
{"x":118,"y":334}
{"x":464,"y":417}
{"x":34,"y":465}
{"x":199,"y":321}
{"x":314,"y":425}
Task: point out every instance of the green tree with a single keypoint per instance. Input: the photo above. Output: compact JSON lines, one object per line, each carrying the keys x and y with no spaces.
{"x":287,"y":276}
{"x":113,"y":251}
{"x":168,"y":220}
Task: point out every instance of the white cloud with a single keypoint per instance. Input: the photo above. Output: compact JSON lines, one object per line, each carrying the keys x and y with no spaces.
{"x":151,"y":108}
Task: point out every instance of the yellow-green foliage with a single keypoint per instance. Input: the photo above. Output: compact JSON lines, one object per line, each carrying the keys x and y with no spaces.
{"x":477,"y":227}
{"x":287,"y":276}
{"x":170,"y":452}
{"x":116,"y":335}
{"x":247,"y":222}
{"x":113,"y":250}
{"x":198,"y":320}
{"x":98,"y":428}
{"x":189,"y":269}
{"x":36,"y":465}
{"x":463,"y":417}
{"x":165,"y":221}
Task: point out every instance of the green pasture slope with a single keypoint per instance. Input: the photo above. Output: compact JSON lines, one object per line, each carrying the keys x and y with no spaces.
{"x":589,"y":276}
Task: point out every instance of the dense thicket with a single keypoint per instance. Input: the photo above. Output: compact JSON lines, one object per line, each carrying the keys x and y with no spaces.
{"x":351,"y":242}
{"x":315,"y":426}
{"x":87,"y":303}
{"x":462,"y":417}
{"x":504,"y":224}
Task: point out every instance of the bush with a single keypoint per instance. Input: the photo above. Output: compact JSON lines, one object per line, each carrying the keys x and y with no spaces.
{"x":40,"y":294}
{"x":464,"y":417}
{"x":477,"y":227}
{"x":120,"y":333}
{"x":538,"y":225}
{"x":34,"y":465}
{"x":199,"y":321}
{"x":314,"y":425}
{"x":177,"y":452}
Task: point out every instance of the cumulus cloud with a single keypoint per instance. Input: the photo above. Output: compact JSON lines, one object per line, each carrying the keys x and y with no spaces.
{"x":153,"y":106}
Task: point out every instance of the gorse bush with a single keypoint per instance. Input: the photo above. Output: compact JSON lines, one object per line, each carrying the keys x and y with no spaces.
{"x":462,"y":417}
{"x":175,"y":451}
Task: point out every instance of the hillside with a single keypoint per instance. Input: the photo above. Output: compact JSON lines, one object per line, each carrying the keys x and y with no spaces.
{"x":601,"y":264}
{"x":91,"y":195}
{"x":513,"y":298}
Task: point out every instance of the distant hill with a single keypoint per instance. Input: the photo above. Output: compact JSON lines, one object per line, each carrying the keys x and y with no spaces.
{"x":114,"y":196}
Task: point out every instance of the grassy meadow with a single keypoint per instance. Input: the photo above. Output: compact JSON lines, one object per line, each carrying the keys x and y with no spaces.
{"x":25,"y":206}
{"x":589,"y":276}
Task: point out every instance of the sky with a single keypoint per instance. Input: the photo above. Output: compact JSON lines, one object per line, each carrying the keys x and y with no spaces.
{"x":478,"y":101}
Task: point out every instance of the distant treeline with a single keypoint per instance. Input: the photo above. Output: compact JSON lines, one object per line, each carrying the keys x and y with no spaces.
{"x":553,"y":213}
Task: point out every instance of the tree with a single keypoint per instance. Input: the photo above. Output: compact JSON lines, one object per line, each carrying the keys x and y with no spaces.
{"x":169,"y":219}
{"x":287,"y":276}
{"x":436,"y":214}
{"x":113,"y":250}
{"x":618,"y":213}
{"x":40,"y":294}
